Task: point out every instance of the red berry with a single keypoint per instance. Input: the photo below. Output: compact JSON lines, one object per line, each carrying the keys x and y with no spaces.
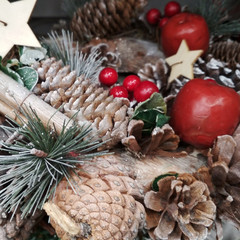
{"x":119,"y":91}
{"x":153,"y":16}
{"x":108,"y":76}
{"x":162,"y":22}
{"x":144,"y":90}
{"x":172,"y":8}
{"x":131,"y":82}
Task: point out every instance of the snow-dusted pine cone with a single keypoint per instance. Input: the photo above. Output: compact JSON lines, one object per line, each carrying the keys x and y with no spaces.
{"x":18,"y":228}
{"x":105,"y":204}
{"x":62,"y":89}
{"x":107,"y":50}
{"x":180,"y":208}
{"x":102,"y":18}
{"x":227,"y":51}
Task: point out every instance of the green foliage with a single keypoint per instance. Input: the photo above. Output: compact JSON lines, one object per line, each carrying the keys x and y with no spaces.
{"x":152,"y":112}
{"x":40,"y":234}
{"x":64,"y":48}
{"x":36,"y":162}
{"x":217,"y":15}
{"x":26,"y":76}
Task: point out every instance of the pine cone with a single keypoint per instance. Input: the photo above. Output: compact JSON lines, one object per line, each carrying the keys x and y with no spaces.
{"x":106,"y":206}
{"x":226,"y":51}
{"x":102,"y":18}
{"x":18,"y":228}
{"x":222,"y":177}
{"x":107,"y":50}
{"x":162,"y":141}
{"x":157,"y":73}
{"x":180,"y":209}
{"x":212,"y":68}
{"x":61,"y":88}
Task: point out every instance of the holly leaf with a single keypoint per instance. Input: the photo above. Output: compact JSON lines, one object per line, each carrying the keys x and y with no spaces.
{"x":29,"y":77}
{"x":11,"y":73}
{"x":152,"y":112}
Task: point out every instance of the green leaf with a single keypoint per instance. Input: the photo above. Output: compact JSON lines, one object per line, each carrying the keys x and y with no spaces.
{"x":29,"y":77}
{"x":152,"y":112}
{"x":10,"y":72}
{"x":155,"y":181}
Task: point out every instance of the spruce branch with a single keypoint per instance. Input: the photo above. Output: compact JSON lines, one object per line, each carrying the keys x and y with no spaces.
{"x":36,"y":163}
{"x":64,"y":48}
{"x":217,"y":14}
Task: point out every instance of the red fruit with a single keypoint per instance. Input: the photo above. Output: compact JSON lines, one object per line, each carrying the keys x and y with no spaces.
{"x":172,"y":8}
{"x":108,"y":76}
{"x":119,"y":91}
{"x":191,"y":27}
{"x":204,"y":110}
{"x":162,"y":22}
{"x":144,"y":91}
{"x":131,"y":82}
{"x":153,"y":15}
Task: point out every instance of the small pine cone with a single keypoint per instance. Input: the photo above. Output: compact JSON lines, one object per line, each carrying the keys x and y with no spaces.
{"x":107,"y":50}
{"x":157,"y":73}
{"x":102,"y":18}
{"x":226,"y":51}
{"x":105,"y":205}
{"x":223,"y":178}
{"x":181,"y":208}
{"x":18,"y":228}
{"x":62,"y":89}
{"x":162,"y":141}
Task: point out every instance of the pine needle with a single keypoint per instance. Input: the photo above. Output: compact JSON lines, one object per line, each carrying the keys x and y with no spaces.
{"x":37,"y":162}
{"x":64,"y":48}
{"x":217,"y":15}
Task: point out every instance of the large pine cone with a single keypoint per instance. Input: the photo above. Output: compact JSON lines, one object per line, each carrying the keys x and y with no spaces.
{"x":180,"y":209}
{"x":105,"y":205}
{"x":18,"y":228}
{"x":102,"y":18}
{"x":61,"y":88}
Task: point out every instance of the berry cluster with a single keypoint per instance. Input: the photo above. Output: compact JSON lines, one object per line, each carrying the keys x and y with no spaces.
{"x":132,"y":86}
{"x":154,"y":16}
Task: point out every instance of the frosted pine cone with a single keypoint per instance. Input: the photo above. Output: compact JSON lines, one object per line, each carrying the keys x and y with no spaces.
{"x":180,"y":208}
{"x":102,"y":18}
{"x":227,"y":51}
{"x":62,"y":89}
{"x":107,"y":49}
{"x":106,"y":206}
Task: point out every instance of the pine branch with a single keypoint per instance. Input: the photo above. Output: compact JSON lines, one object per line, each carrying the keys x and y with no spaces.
{"x":64,"y":48}
{"x":36,"y":163}
{"x":218,"y":17}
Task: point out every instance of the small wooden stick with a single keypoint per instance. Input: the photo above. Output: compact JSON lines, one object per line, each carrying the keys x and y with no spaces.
{"x":14,"y":96}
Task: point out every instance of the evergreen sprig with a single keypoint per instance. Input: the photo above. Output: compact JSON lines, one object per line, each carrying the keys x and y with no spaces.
{"x":217,"y":15}
{"x":64,"y":48}
{"x":36,"y":162}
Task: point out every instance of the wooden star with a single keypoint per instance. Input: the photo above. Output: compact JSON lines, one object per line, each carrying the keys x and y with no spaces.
{"x":182,"y":62}
{"x":14,"y":29}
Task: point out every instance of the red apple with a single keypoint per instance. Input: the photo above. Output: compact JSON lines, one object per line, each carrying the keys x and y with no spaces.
{"x":203,"y":110}
{"x":191,"y":27}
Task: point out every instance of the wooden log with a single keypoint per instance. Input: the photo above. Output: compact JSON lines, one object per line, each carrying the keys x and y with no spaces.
{"x":14,"y":96}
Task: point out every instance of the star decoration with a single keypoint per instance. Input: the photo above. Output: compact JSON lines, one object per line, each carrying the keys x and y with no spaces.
{"x":182,"y":62}
{"x":14,"y":29}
